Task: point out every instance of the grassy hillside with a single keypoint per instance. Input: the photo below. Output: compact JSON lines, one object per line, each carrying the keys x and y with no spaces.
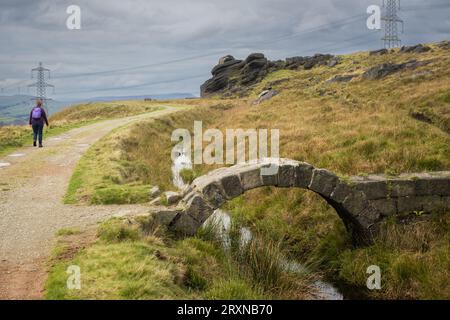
{"x":357,"y":127}
{"x":103,"y":110}
{"x":16,"y":109}
{"x":12,"y":137}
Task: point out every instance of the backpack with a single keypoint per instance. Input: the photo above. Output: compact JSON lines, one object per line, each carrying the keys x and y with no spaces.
{"x":36,"y":113}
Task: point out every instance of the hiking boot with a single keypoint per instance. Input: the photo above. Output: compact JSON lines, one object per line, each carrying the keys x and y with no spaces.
{"x":34,"y":143}
{"x":40,"y":145}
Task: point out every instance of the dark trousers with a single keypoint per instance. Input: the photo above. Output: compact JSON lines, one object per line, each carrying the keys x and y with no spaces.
{"x":37,"y":131}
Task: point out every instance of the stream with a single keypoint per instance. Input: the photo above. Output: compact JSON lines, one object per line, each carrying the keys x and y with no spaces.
{"x":222,"y":219}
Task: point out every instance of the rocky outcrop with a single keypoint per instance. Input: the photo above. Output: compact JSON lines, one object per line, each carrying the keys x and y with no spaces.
{"x":233,"y":77}
{"x":444,"y":45}
{"x":419,"y":48}
{"x":230,"y":74}
{"x":341,"y":78}
{"x":386,"y":69}
{"x":310,"y":62}
{"x":379,"y":52}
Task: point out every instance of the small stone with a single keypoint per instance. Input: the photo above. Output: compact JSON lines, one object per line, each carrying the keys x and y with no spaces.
{"x":184,"y":225}
{"x":323,"y":182}
{"x":287,"y":173}
{"x":303,"y":175}
{"x":214,"y":194}
{"x":269,"y":172}
{"x":333,"y":62}
{"x":251,"y":179}
{"x":198,"y":209}
{"x":232,"y":186}
{"x":172,"y":197}
{"x":155,"y":202}
{"x":373,"y":189}
{"x":154,"y":191}
{"x":164,"y":216}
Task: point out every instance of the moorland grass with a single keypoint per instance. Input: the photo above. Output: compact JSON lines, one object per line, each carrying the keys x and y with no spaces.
{"x":353,"y":128}
{"x":129,"y":261}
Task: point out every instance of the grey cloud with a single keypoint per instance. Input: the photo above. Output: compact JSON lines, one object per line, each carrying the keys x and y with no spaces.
{"x":118,"y":34}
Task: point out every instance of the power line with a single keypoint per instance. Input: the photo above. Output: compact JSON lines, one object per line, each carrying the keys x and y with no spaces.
{"x":138,"y":85}
{"x":137,"y":67}
{"x":146,"y":66}
{"x":323,"y":27}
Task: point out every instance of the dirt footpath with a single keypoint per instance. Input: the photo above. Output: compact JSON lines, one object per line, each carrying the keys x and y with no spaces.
{"x":31,"y":210}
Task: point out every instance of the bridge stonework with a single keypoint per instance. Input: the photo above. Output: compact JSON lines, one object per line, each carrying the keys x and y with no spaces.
{"x":361,"y":202}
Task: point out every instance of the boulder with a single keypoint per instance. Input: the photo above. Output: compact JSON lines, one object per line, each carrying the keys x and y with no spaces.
{"x":164,"y":216}
{"x":379,"y":52}
{"x":254,"y":56}
{"x":310,"y":62}
{"x":226,"y":58}
{"x":333,"y":62}
{"x":265,"y":95}
{"x":386,"y":69}
{"x":231,"y":74}
{"x":419,"y":48}
{"x":341,"y":78}
{"x":256,"y":66}
{"x":381,"y":71}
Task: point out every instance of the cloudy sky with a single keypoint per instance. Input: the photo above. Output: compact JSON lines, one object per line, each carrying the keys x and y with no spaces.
{"x":138,"y":47}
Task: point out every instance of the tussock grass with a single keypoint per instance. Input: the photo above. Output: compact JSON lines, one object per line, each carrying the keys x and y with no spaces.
{"x":67,"y":232}
{"x":137,"y":261}
{"x":414,"y":261}
{"x":103,"y":177}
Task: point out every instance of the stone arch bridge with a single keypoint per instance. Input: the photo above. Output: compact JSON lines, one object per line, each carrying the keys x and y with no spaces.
{"x":361,"y":202}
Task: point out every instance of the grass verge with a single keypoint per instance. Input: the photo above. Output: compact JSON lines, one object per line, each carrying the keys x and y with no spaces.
{"x":137,"y":261}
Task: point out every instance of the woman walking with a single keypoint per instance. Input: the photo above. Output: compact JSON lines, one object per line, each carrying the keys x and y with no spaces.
{"x":37,"y":119}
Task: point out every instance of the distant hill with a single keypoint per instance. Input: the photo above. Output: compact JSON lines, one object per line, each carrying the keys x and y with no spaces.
{"x":165,"y":96}
{"x":15,"y":109}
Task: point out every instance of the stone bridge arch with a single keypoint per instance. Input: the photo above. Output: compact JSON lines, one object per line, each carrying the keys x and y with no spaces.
{"x":361,"y":202}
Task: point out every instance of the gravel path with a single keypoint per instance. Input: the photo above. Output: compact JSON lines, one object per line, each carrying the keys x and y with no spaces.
{"x":31,"y":210}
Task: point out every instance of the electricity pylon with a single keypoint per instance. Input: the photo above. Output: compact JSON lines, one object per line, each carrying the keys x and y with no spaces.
{"x":391,"y":39}
{"x":41,"y":85}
